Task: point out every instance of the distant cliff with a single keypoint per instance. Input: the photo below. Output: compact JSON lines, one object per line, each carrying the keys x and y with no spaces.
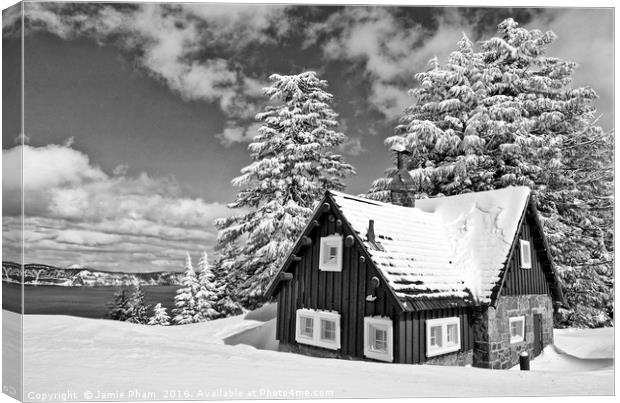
{"x":76,"y":276}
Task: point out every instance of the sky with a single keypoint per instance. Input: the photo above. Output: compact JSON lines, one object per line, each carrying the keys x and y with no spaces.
{"x":138,"y":116}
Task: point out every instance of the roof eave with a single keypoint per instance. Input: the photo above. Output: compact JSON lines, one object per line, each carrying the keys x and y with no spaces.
{"x":273,"y":285}
{"x":364,"y":250}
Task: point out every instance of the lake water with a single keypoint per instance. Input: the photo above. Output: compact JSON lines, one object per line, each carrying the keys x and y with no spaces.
{"x":88,"y":302}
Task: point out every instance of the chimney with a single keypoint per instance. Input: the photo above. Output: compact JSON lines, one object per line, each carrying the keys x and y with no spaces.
{"x":370,"y":235}
{"x":402,"y":186}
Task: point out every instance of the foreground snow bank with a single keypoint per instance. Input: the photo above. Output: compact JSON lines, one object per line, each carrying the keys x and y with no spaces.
{"x":99,"y":359}
{"x":577,"y":350}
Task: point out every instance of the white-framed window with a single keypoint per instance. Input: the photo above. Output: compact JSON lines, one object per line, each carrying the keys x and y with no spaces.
{"x":331,"y":253}
{"x":318,"y":328}
{"x":378,"y":338}
{"x":306,"y":326}
{"x":517,"y":329}
{"x":443,"y":336}
{"x":526,"y":254}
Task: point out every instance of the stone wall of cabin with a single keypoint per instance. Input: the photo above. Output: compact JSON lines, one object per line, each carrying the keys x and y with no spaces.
{"x":492,"y":347}
{"x":460,"y":358}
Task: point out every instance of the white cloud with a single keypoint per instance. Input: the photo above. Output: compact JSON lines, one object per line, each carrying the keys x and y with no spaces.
{"x":10,"y":17}
{"x":234,"y":133}
{"x":389,"y":99}
{"x":21,"y":139}
{"x":391,"y":53}
{"x":88,"y":238}
{"x":352,"y":146}
{"x":585,"y":37}
{"x":77,"y":213}
{"x":173,"y":41}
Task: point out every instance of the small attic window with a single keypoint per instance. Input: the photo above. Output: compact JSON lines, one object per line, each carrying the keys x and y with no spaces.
{"x":526,"y":254}
{"x":331,"y":253}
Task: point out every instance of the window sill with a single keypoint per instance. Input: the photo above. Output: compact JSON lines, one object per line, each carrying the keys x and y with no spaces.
{"x":379,"y":356}
{"x":517,"y":340}
{"x":442,"y":351}
{"x":311,"y":342}
{"x":323,"y":267}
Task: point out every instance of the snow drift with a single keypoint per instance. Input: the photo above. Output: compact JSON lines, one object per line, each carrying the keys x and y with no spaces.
{"x":231,"y":358}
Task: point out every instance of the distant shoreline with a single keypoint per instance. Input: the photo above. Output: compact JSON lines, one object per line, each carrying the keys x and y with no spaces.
{"x":39,"y":274}
{"x":87,"y":302}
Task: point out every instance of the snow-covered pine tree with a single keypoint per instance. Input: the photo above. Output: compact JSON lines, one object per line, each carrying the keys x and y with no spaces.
{"x":506,"y":115}
{"x":138,"y":310}
{"x":293,"y":164}
{"x":118,"y":308}
{"x":208,"y":294}
{"x":185,"y":308}
{"x":227,"y":307}
{"x":160,"y":316}
{"x":445,"y":153}
{"x":580,"y":224}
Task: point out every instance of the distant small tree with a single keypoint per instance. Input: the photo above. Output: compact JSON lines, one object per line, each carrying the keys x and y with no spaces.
{"x":118,"y":308}
{"x":208,"y":294}
{"x":185,"y":301}
{"x":227,"y":307}
{"x":160,"y":316}
{"x":138,"y":310}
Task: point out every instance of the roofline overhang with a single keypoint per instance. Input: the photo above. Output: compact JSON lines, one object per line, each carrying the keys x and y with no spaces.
{"x":273,"y":285}
{"x":327,"y":197}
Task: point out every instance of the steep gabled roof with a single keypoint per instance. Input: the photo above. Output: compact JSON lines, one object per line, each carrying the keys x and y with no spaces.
{"x":414,"y":251}
{"x":444,"y":247}
{"x":445,"y":251}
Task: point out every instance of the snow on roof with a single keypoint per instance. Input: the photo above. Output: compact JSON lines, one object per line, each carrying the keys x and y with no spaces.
{"x":444,"y":247}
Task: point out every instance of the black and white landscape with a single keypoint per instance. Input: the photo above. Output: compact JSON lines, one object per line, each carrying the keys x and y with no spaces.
{"x":186,"y":147}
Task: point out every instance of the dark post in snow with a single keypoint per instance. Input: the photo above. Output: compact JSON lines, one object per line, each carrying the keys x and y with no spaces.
{"x":524,"y":361}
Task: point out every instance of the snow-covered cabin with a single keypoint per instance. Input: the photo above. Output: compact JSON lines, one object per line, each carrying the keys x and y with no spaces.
{"x":457,"y":280}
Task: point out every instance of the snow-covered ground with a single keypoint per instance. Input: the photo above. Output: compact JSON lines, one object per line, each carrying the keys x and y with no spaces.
{"x":97,"y":359}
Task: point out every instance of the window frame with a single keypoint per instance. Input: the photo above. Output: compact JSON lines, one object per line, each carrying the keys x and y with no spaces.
{"x":511,"y":320}
{"x":327,"y":242}
{"x":380,"y":323}
{"x":302,"y":326}
{"x":526,"y":258}
{"x":317,"y":331}
{"x":445,"y":348}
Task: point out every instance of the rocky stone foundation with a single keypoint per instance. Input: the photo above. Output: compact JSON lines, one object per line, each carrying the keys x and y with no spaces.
{"x":455,"y":359}
{"x":492,"y":347}
{"x":310,"y":350}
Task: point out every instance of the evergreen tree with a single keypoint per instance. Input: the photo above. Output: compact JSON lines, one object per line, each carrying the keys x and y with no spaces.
{"x":208,"y":294}
{"x":185,"y":310}
{"x":137,"y":309}
{"x":293,"y":164}
{"x":118,"y":308}
{"x":226,"y":306}
{"x":580,"y":224}
{"x":160,"y":316}
{"x":507,"y":115}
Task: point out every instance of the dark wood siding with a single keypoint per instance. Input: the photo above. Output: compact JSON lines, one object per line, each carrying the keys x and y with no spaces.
{"x":520,"y":281}
{"x":344,"y":292}
{"x":412,"y":330}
